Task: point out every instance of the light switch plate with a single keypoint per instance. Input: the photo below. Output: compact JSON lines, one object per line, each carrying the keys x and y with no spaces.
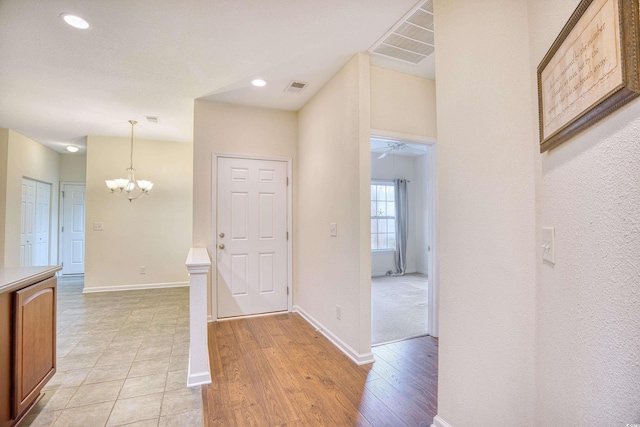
{"x":333,"y":229}
{"x":97,"y":226}
{"x":548,"y":245}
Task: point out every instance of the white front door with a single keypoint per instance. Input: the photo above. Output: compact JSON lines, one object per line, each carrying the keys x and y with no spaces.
{"x":73,"y":229}
{"x":27,"y":220}
{"x":251,"y":245}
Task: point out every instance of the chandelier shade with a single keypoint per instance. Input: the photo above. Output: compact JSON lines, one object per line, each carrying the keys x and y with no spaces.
{"x":130,"y":188}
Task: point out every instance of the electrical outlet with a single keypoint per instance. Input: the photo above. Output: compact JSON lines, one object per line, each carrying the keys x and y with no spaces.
{"x":333,"y":229}
{"x":97,"y":226}
{"x":143,"y":269}
{"x":338,"y":312}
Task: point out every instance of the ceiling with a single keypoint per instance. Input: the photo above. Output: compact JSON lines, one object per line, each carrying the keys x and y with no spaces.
{"x":148,"y":57}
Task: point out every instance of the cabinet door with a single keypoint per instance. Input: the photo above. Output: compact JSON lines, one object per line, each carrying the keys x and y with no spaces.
{"x":34,"y":342}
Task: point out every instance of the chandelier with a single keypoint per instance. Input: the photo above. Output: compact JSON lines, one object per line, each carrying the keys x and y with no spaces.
{"x":129,"y":187}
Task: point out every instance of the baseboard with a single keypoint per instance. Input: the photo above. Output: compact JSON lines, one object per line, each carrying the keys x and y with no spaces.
{"x":382,"y":274}
{"x":439,"y":422}
{"x":134,"y":287}
{"x":198,"y":378}
{"x":359,"y":359}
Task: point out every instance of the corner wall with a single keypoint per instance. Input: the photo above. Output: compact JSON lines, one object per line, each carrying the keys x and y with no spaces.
{"x":153,"y":231}
{"x":228,"y":128}
{"x":588,"y":316}
{"x":487,"y":240}
{"x":27,"y":158}
{"x":333,"y":186}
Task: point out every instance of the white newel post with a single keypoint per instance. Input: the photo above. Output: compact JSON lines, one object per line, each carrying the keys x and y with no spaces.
{"x":198,"y":264}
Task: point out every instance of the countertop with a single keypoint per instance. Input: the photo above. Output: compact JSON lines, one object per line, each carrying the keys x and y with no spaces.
{"x":15,"y":278}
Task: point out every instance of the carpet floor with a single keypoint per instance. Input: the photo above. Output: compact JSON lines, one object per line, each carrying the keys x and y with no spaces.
{"x":398,"y":308}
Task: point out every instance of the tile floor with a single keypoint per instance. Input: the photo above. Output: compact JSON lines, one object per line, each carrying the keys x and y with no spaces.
{"x":122,"y":361}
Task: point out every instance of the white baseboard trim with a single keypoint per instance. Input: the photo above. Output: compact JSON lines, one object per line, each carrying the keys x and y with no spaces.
{"x":381,"y":274}
{"x":359,"y":359}
{"x":134,"y":287}
{"x":439,"y":422}
{"x":198,"y":378}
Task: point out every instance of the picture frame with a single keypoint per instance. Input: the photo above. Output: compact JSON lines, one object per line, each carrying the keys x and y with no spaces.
{"x":590,"y":70}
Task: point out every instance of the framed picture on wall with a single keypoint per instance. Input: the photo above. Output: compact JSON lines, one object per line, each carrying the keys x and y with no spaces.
{"x":590,"y":70}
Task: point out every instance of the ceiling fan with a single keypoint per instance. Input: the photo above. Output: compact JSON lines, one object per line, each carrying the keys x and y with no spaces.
{"x":399,"y":146}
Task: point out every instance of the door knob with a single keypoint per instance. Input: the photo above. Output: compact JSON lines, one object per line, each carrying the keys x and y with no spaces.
{"x":221,"y":235}
{"x":221,"y":245}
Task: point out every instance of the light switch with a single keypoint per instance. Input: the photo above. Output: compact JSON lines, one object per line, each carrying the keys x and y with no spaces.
{"x":97,"y":226}
{"x":548,"y":250}
{"x":333,"y":229}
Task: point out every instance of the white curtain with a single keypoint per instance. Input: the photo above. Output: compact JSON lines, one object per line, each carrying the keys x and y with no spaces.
{"x":402,"y":213}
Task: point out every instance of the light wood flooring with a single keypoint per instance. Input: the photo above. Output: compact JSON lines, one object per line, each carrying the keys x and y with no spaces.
{"x":278,"y":371}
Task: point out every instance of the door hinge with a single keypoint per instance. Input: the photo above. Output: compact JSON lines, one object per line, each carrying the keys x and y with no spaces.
{"x":63,"y":194}
{"x":287,"y":180}
{"x":287,"y":235}
{"x":287,"y":290}
{"x":63,"y":228}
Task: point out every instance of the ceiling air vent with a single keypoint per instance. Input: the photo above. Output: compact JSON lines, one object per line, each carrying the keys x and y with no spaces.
{"x":152,"y":119}
{"x":295,"y":87}
{"x":410,"y":39}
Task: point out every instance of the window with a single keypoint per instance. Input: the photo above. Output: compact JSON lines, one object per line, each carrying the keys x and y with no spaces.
{"x":383,"y":216}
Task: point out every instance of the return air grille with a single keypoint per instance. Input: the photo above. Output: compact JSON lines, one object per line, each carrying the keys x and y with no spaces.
{"x":411,"y":39}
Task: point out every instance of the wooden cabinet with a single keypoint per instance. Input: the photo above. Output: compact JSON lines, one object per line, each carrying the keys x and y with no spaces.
{"x":34,"y":340}
{"x":27,"y":339}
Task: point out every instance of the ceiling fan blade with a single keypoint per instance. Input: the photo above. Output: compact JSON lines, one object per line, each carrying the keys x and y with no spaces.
{"x":383,"y":155}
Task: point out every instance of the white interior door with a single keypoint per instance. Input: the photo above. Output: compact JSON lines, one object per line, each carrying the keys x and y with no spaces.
{"x":27,"y":222}
{"x":73,"y":228}
{"x":251,"y":245}
{"x":42,"y":223}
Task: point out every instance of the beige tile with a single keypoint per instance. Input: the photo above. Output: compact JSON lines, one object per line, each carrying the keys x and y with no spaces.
{"x":176,"y":380}
{"x":190,"y":418}
{"x":71,"y":362}
{"x":179,"y":363}
{"x":148,"y":367}
{"x":68,"y":378}
{"x":41,"y":419}
{"x":96,"y":393}
{"x":85,"y":416}
{"x":57,"y":399}
{"x":180,"y":348}
{"x":104,"y":373}
{"x":136,"y":409}
{"x":116,"y":357}
{"x":155,"y":352}
{"x":146,"y":423}
{"x":139,"y":386}
{"x":182,"y":400}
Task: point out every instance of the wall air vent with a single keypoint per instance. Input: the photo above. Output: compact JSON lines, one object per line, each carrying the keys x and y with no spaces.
{"x":411,"y":39}
{"x":295,"y":87}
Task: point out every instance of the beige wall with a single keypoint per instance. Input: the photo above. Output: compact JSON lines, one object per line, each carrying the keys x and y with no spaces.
{"x":227,"y":128}
{"x":153,"y":231}
{"x":588,"y":320}
{"x":487,"y":237}
{"x":333,"y":186}
{"x":4,"y":152}
{"x":28,"y":159}
{"x":73,"y":167}
{"x":403,"y":103}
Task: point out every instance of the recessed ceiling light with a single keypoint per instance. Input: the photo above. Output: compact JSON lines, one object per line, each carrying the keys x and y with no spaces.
{"x":75,"y":21}
{"x":259,"y":82}
{"x":72,"y":148}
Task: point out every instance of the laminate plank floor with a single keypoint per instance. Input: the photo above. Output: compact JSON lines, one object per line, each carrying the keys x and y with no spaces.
{"x":279,"y":371}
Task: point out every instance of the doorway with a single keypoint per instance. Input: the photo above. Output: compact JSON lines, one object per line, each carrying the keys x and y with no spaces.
{"x":72,"y":230}
{"x":35,"y":223}
{"x":251,"y":236}
{"x":402,"y":297}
